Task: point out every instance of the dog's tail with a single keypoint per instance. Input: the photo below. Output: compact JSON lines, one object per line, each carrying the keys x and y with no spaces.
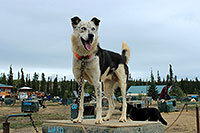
{"x":162,"y":120}
{"x":125,"y":52}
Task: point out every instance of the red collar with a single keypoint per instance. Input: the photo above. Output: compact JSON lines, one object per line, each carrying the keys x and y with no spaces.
{"x":78,"y":57}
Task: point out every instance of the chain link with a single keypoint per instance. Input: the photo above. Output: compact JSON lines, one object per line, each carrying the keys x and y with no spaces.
{"x":34,"y":125}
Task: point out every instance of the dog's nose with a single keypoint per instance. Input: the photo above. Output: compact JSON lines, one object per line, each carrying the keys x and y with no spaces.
{"x":90,"y":36}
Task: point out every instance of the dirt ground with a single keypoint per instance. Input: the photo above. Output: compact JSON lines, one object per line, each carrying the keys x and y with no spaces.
{"x":185,"y":124}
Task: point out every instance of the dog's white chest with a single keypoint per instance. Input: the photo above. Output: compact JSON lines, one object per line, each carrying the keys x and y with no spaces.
{"x":91,"y":68}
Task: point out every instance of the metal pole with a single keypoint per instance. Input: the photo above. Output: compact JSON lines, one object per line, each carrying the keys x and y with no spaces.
{"x":197,"y":117}
{"x":6,"y":127}
{"x":6,"y":124}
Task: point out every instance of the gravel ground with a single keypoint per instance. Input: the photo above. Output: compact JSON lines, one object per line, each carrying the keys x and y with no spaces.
{"x":185,"y":124}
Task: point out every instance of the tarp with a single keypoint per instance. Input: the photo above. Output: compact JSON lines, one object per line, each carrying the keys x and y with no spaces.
{"x":25,"y":88}
{"x":193,"y":96}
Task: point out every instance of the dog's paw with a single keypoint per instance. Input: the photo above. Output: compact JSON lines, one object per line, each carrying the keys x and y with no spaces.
{"x":122,"y":119}
{"x":106,"y":119}
{"x":77,"y":120}
{"x":99,"y":121}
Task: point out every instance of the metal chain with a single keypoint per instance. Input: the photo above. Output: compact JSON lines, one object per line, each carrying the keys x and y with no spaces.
{"x":81,"y":80}
{"x":34,"y":125}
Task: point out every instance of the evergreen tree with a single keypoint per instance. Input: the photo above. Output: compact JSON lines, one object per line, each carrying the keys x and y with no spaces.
{"x":18,"y":75}
{"x":18,"y":80}
{"x":55,"y":86}
{"x":152,"y":91}
{"x":197,"y":85}
{"x":49,"y":85}
{"x":175,"y":78}
{"x":90,"y":89}
{"x":177,"y":91}
{"x":167,"y":79}
{"x":28,"y":80}
{"x":3,"y":78}
{"x":65,"y":88}
{"x":163,"y":81}
{"x":35,"y":82}
{"x":22,"y":81}
{"x":43,"y":84}
{"x":170,"y":74}
{"x":158,"y":78}
{"x":10,"y":76}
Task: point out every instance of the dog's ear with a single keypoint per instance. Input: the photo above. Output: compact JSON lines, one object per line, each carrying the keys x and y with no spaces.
{"x":96,"y":21}
{"x":75,"y":20}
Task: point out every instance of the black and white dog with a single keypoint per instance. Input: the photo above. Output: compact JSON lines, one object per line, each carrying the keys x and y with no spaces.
{"x":101,"y":66}
{"x":143,"y":114}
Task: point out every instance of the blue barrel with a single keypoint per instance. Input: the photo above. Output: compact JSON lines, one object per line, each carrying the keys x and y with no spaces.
{"x":30,"y":106}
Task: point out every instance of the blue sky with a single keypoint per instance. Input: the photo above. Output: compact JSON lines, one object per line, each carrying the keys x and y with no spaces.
{"x":35,"y":34}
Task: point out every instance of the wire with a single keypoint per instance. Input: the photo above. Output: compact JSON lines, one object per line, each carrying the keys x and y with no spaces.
{"x":176,"y":118}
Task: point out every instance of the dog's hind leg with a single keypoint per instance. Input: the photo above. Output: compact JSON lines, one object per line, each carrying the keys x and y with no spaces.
{"x":79,"y":119}
{"x":109,"y":87}
{"x":120,"y":72}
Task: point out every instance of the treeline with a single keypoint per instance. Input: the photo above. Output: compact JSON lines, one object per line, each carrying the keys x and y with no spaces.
{"x":64,"y":88}
{"x":189,"y":86}
{"x":179,"y":88}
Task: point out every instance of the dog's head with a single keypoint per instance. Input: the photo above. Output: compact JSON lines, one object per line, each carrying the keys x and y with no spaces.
{"x":85,"y":34}
{"x":129,"y":108}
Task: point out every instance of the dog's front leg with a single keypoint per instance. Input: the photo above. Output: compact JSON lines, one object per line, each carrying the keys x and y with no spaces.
{"x":98,"y":90}
{"x":79,"y":119}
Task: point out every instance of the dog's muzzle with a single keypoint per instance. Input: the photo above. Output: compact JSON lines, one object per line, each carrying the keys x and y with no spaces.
{"x":88,"y":43}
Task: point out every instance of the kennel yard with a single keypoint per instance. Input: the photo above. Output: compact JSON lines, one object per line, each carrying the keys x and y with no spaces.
{"x":54,"y":111}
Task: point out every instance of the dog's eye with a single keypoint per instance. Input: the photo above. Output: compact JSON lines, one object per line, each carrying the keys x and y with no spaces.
{"x":83,"y":28}
{"x":93,"y":29}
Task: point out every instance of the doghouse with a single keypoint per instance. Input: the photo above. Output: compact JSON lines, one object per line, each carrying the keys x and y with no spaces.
{"x":167,"y":106}
{"x":89,"y":111}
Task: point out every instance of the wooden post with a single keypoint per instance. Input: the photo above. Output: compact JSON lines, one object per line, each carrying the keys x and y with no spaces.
{"x":197,"y":117}
{"x":186,"y":106}
{"x":6,"y":127}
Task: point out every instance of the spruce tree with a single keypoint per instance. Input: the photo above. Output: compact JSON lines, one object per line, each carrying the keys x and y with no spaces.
{"x":22,"y":81}
{"x":170,"y":74}
{"x":48,"y":85}
{"x":158,"y":78}
{"x":28,"y":80}
{"x":167,"y":79}
{"x":18,"y":75}
{"x":197,"y":85}
{"x":43,"y":83}
{"x":10,"y":76}
{"x":152,"y":91}
{"x":55,"y":86}
{"x":18,"y":80}
{"x":3,"y":79}
{"x":64,"y":88}
{"x":35,"y":82}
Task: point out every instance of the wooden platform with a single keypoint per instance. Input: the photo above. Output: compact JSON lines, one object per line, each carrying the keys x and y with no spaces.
{"x":112,"y":126}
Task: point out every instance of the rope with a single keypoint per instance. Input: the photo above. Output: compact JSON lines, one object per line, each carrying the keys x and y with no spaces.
{"x":176,"y":118}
